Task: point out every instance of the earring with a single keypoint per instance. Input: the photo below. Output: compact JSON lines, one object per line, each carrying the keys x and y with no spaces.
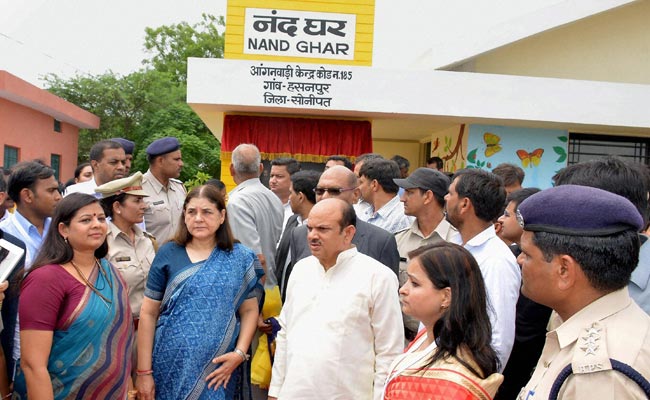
{"x":443,"y":307}
{"x":65,"y":239}
{"x":119,"y":212}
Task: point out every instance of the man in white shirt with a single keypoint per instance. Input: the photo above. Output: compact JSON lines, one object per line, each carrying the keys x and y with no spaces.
{"x":474,"y":201}
{"x":108,"y":161}
{"x":280,"y":182}
{"x":341,"y":323}
{"x":380,"y":191}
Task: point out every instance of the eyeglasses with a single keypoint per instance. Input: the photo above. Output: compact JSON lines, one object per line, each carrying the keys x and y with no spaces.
{"x":332,"y":191}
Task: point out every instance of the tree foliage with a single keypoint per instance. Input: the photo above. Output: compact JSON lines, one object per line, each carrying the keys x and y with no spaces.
{"x":172,"y":45}
{"x":151,"y":103}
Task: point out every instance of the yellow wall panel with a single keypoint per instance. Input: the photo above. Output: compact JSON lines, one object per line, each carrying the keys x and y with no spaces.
{"x":364,"y":28}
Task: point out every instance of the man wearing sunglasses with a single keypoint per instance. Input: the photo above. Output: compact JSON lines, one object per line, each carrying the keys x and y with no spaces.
{"x":341,"y":183}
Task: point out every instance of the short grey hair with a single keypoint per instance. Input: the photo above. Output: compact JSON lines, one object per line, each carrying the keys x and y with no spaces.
{"x":246,"y":162}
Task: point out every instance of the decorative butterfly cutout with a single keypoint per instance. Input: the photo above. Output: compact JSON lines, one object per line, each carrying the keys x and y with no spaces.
{"x":527,"y":158}
{"x":492,"y":144}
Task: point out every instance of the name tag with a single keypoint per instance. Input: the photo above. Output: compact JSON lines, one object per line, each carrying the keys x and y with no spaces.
{"x":120,"y":259}
{"x":157,"y":203}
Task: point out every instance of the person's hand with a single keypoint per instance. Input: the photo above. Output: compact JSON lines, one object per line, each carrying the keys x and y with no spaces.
{"x":221,"y":375}
{"x":145,"y":386}
{"x":3,"y":286}
{"x":263,"y":326}
{"x":272,"y":398}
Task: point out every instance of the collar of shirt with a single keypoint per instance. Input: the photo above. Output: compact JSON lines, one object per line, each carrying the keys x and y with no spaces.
{"x":30,"y":228}
{"x":482,"y":238}
{"x":447,"y":231}
{"x":342,"y":258}
{"x":114,"y":231}
{"x":415,"y":230}
{"x":155,"y":183}
{"x":605,"y":306}
{"x":244,"y":185}
{"x":384,"y":211}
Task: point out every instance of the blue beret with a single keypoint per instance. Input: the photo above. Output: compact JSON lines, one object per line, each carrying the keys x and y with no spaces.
{"x":127,"y":145}
{"x":579,"y":211}
{"x":163,"y":146}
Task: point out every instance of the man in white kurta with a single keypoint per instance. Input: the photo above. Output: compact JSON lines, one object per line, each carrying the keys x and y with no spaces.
{"x":341,"y":323}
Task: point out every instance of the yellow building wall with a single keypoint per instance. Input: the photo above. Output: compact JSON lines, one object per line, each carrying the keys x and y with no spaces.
{"x":613,"y":46}
{"x":409,"y":150}
{"x":365,"y":17}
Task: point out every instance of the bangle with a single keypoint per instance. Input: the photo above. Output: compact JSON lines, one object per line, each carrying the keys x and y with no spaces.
{"x":144,"y":372}
{"x":244,"y":356}
{"x":8,"y":396}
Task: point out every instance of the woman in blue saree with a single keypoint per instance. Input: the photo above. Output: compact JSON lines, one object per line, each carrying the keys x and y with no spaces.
{"x":76,"y":330}
{"x":200,"y":308}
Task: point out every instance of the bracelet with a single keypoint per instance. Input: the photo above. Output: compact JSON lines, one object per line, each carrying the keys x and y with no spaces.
{"x":141,"y":372}
{"x":244,"y":356}
{"x":8,"y":396}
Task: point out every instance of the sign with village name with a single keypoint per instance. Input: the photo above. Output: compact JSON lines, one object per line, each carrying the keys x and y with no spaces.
{"x":299,"y":33}
{"x":301,"y":86}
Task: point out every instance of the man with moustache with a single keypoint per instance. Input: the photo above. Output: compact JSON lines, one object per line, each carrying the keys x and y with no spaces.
{"x":579,"y":248}
{"x":475,"y":199}
{"x":128,"y":147}
{"x":166,"y":193}
{"x":341,"y":183}
{"x":108,"y":161}
{"x":345,"y":305}
{"x":280,"y":181}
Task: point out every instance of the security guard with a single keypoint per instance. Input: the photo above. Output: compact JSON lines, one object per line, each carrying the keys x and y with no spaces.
{"x":130,"y":249}
{"x":166,"y":193}
{"x":579,"y":248}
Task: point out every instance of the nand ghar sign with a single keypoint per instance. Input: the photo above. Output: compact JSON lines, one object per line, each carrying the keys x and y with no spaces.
{"x":299,"y":34}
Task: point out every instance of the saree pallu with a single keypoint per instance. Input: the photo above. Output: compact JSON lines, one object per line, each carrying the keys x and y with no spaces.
{"x":91,"y":355}
{"x":199,"y":321}
{"x":441,"y":383}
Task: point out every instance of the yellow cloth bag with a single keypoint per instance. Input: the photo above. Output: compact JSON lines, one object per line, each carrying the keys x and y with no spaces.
{"x":261,"y":363}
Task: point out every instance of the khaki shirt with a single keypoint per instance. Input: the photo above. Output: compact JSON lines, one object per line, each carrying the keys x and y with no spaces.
{"x":165,"y":206}
{"x":610,"y":327}
{"x":133,"y":260}
{"x":407,"y":241}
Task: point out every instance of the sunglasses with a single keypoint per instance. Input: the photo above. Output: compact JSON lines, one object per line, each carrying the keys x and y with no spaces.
{"x":332,"y":191}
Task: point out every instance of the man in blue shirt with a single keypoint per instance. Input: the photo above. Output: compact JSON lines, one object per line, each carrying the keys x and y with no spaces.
{"x":35,"y":191}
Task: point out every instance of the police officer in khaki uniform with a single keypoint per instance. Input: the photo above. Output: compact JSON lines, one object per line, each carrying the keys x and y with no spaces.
{"x":579,"y":248}
{"x":166,"y":193}
{"x":130,"y":249}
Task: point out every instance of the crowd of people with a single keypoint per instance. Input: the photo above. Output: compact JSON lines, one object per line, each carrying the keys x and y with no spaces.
{"x":362,"y":281}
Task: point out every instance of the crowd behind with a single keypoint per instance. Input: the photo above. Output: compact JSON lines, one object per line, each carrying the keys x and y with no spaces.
{"x":363,"y":281}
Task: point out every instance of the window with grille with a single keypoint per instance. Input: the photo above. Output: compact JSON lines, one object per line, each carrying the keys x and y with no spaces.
{"x":585,"y":147}
{"x":55,"y":163}
{"x":10,"y":157}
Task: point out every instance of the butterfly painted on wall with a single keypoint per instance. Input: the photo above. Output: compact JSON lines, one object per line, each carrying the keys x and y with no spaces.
{"x":530,"y":159}
{"x":492,"y":145}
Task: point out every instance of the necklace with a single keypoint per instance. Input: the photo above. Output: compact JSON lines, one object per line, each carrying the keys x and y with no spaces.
{"x":90,"y":285}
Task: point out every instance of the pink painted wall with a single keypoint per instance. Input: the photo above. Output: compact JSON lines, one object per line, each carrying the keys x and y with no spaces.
{"x":32,"y":132}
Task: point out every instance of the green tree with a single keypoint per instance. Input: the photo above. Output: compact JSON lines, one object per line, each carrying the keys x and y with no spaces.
{"x":172,"y":45}
{"x":151,"y":103}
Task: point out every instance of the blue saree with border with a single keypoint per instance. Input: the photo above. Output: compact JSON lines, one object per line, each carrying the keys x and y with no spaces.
{"x":198,"y":321}
{"x":91,"y":357}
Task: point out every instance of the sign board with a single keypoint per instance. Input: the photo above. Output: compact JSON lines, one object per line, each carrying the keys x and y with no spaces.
{"x":299,"y":33}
